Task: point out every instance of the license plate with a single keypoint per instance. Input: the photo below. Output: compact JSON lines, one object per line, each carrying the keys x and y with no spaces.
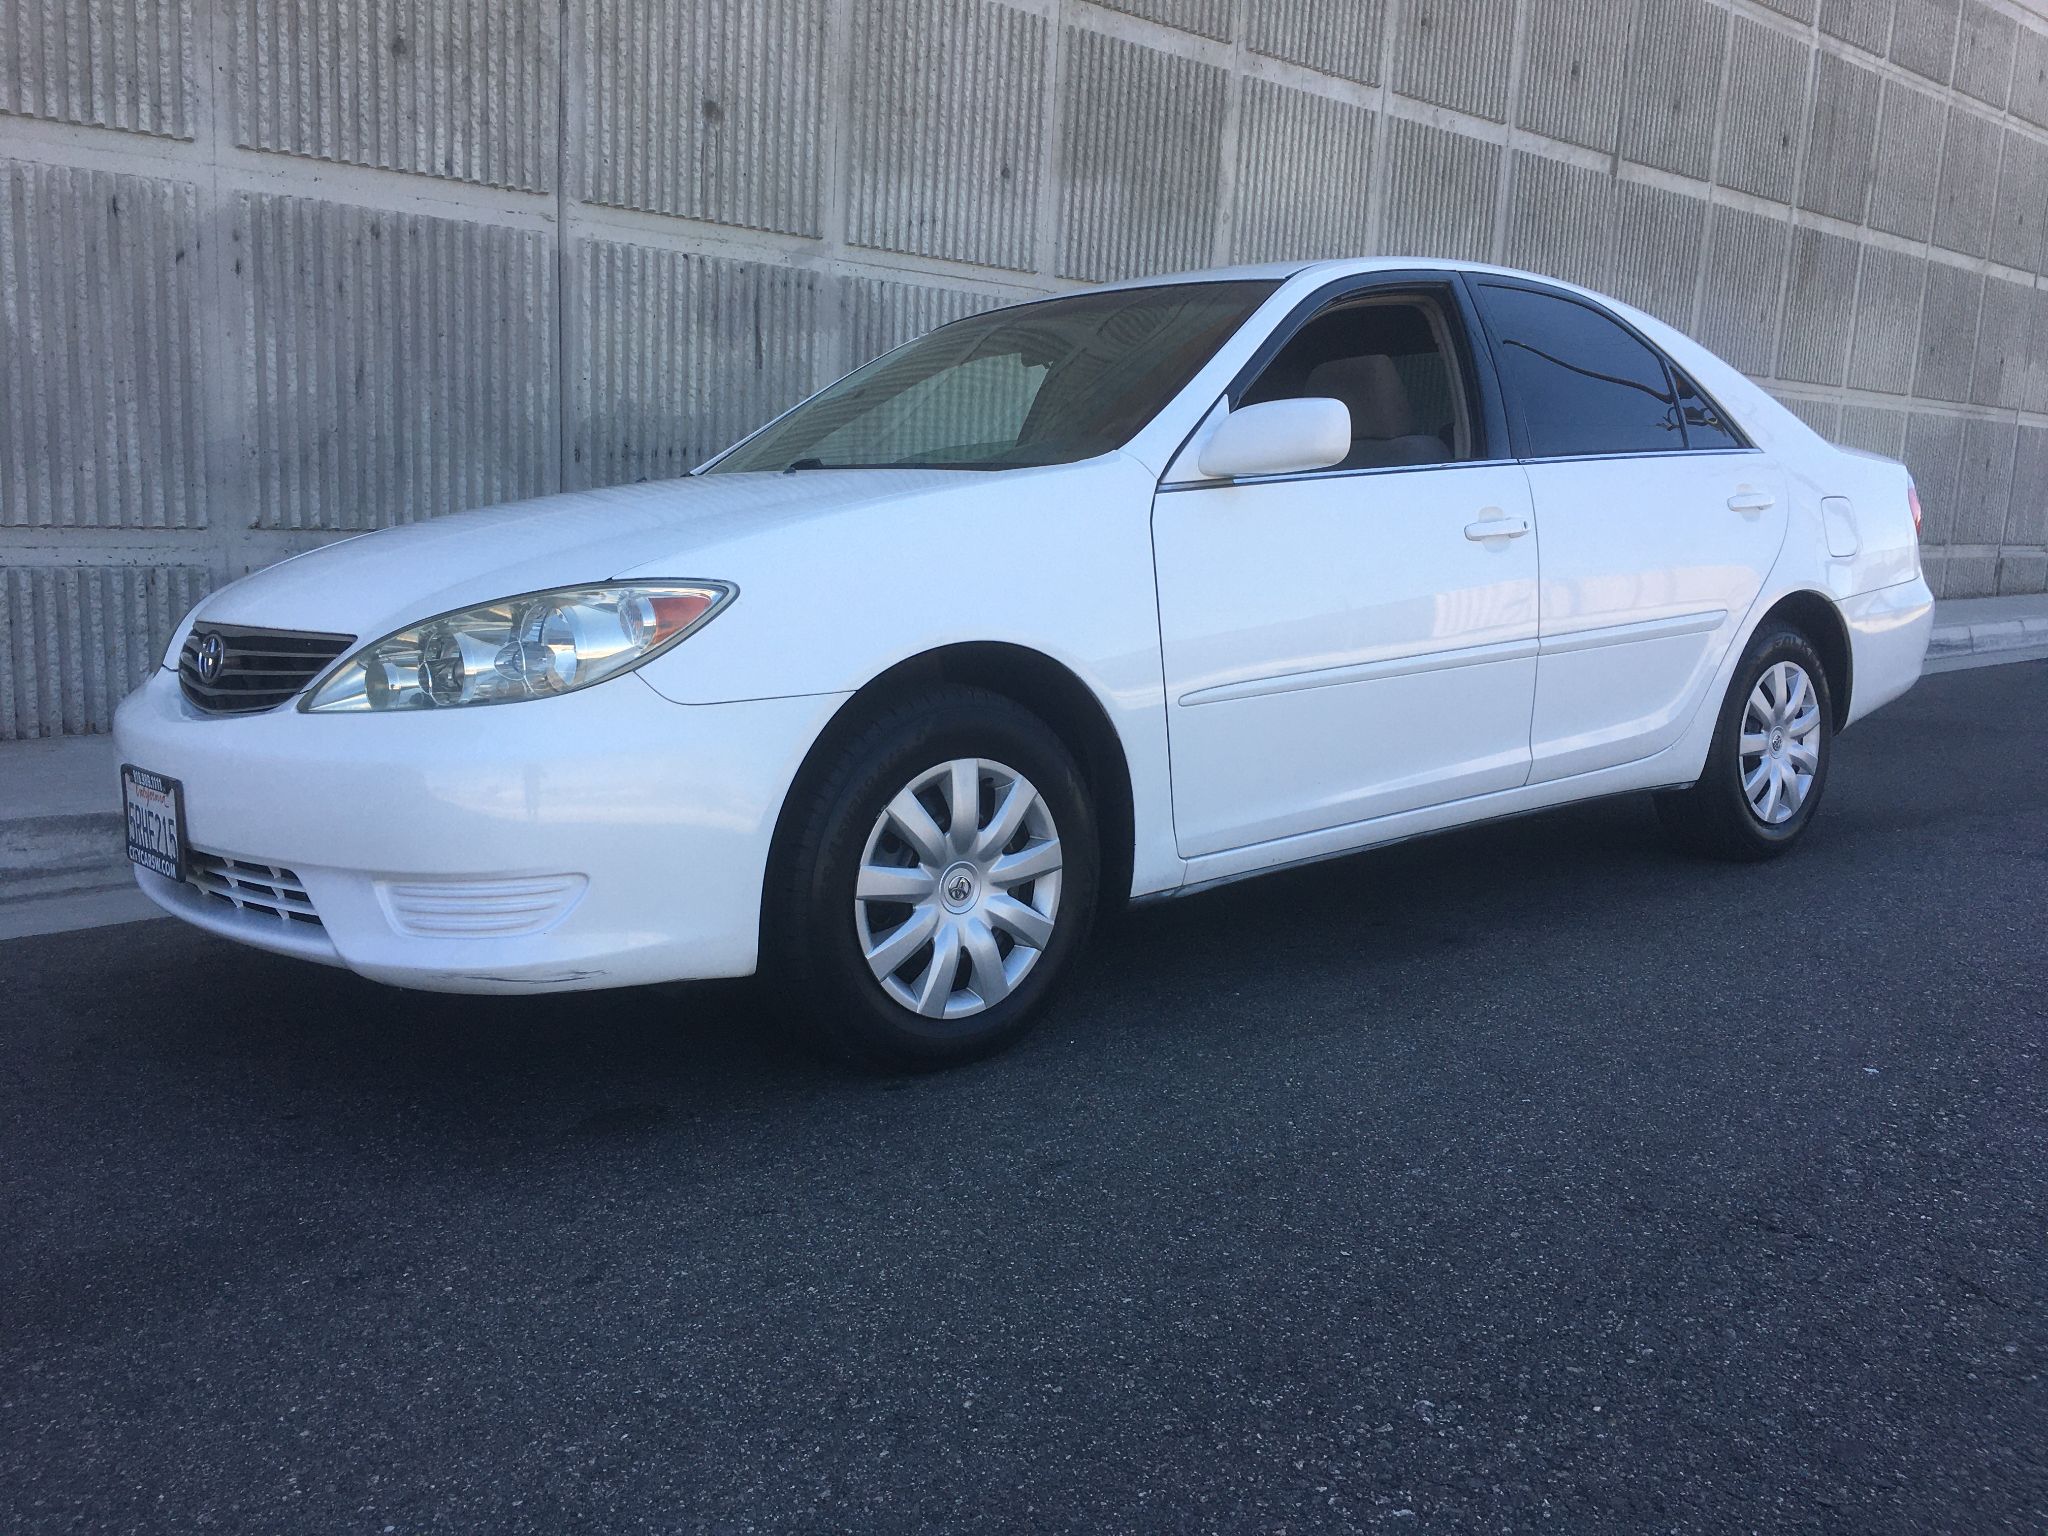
{"x":156,"y":821}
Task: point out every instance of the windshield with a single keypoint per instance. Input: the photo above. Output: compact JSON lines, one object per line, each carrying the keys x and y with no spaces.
{"x":1045,"y":383}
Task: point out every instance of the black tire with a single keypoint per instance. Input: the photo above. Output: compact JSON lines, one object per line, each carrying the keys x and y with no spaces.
{"x":1714,"y":817}
{"x":814,"y":955}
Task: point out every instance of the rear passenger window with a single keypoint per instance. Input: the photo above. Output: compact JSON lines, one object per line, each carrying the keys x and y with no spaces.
{"x":1577,"y":382}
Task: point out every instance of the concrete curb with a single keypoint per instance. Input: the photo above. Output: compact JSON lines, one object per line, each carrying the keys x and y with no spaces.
{"x":1989,"y":638}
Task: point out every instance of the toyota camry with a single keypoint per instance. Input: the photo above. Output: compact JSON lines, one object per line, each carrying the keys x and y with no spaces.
{"x":1114,"y":595}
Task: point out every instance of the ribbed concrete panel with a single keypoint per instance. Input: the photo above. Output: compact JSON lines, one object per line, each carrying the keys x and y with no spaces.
{"x":882,"y":315}
{"x":2022,"y":573}
{"x":1674,"y":79}
{"x":2026,"y":520}
{"x":1440,"y":188}
{"x":1958,"y":575}
{"x":711,"y":110}
{"x":1765,"y":107}
{"x":683,"y":355}
{"x":1908,"y":168}
{"x":1874,"y":429}
{"x":1141,"y":135}
{"x":2016,"y":227}
{"x":1209,"y":18}
{"x":110,"y":63}
{"x":1841,"y":135}
{"x":1797,"y":10}
{"x":99,"y":351}
{"x":1887,"y":321}
{"x":1969,"y":184}
{"x":396,"y":366}
{"x":1455,"y":53}
{"x":1739,"y":303}
{"x":1341,"y":40}
{"x":1984,"y":52}
{"x":2030,"y":76}
{"x":1924,"y":36}
{"x":1303,"y":163}
{"x":2034,"y":379}
{"x":1574,"y":63}
{"x":1999,"y":375}
{"x":1984,"y":481}
{"x":1866,"y":23}
{"x":1824,"y":416}
{"x":458,"y":88}
{"x":1948,"y":333}
{"x":947,"y":127}
{"x":75,"y":639}
{"x":1657,"y":239}
{"x":1819,"y":305}
{"x":1934,"y":455}
{"x":1560,"y":219}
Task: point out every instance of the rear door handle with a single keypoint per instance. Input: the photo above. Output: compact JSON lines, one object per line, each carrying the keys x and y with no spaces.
{"x":1496,"y":528}
{"x":1751,"y":502}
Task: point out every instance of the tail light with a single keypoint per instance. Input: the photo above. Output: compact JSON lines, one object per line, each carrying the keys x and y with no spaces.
{"x":1913,"y":501}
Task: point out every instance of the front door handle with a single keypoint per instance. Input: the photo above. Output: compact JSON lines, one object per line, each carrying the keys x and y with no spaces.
{"x":1750,"y":503}
{"x":1496,"y":528}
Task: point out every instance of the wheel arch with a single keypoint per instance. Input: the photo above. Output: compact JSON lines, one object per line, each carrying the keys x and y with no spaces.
{"x":1816,"y":617}
{"x":1048,"y":688}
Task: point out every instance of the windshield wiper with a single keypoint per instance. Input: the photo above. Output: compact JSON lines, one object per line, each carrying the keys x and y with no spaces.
{"x":796,"y":464}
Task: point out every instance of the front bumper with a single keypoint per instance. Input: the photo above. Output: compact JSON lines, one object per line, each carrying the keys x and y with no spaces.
{"x":605,"y":838}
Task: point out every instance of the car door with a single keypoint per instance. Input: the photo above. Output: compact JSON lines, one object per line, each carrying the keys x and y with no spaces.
{"x":1660,"y":524}
{"x":1354,"y":642}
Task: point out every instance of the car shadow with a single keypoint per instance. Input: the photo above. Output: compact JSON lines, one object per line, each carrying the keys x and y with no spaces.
{"x":636,"y":1057}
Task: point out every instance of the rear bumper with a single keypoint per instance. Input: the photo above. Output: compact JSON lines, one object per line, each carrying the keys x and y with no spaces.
{"x":606,"y":838}
{"x":1888,"y":634}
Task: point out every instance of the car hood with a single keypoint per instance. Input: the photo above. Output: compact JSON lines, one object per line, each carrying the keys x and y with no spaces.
{"x":712,"y":527}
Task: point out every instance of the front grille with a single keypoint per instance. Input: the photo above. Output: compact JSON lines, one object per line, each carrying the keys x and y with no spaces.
{"x":265,"y":889}
{"x":259,"y":668}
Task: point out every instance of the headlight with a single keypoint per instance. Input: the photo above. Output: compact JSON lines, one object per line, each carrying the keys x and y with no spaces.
{"x":530,"y":647}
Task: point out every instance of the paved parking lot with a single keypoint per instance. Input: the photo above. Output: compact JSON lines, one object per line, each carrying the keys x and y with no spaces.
{"x":1528,"y":1178}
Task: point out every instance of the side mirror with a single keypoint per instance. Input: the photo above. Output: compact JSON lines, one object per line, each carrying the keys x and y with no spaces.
{"x":1281,"y":437}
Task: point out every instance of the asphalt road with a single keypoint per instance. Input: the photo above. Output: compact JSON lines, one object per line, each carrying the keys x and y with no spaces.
{"x":1533,"y":1177}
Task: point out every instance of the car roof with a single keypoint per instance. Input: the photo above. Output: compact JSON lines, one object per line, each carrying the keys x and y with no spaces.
{"x":1281,"y":271}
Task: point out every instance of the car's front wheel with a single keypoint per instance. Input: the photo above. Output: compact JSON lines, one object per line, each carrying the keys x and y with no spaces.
{"x":941,"y":877}
{"x":1769,"y":760}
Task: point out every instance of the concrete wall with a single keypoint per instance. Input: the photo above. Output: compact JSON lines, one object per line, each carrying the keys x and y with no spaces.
{"x":276,"y":272}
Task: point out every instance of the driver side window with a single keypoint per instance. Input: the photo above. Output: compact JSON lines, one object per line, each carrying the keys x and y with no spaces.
{"x":1388,"y":359}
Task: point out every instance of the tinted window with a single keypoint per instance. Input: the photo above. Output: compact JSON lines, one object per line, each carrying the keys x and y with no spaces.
{"x":1576,"y":381}
{"x":1388,"y":360}
{"x":1045,"y":383}
{"x":1705,"y":426}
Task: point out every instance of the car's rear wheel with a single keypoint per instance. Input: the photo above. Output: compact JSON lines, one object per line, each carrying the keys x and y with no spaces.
{"x":939,"y":882}
{"x":1769,"y":760}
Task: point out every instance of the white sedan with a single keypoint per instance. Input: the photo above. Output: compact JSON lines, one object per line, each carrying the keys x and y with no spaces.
{"x":1117,"y":594}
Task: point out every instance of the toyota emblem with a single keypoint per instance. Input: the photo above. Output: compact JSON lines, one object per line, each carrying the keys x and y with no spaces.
{"x":213,"y":655}
{"x":959,"y":890}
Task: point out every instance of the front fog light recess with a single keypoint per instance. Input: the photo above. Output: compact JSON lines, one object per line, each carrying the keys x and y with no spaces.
{"x":530,"y":647}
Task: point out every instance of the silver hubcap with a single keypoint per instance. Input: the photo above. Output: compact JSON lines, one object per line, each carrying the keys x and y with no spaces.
{"x":1780,"y":748}
{"x":958,"y":888}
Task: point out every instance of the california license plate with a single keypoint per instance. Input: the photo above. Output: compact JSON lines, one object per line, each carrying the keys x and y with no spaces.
{"x":156,"y":821}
